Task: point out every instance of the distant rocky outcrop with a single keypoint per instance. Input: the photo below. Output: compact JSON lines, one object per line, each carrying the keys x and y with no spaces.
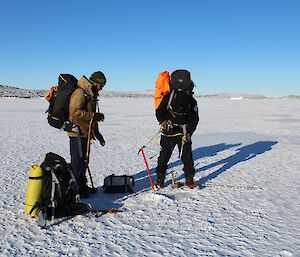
{"x":8,"y":91}
{"x":291,"y":97}
{"x":147,"y":93}
{"x":150,"y":93}
{"x":233,"y":96}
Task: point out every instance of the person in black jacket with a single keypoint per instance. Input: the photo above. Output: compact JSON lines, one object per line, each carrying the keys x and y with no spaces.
{"x":178,"y":116}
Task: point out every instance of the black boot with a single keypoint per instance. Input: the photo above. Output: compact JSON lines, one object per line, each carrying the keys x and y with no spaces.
{"x":189,"y":181}
{"x":90,"y":190}
{"x":83,"y":193}
{"x":86,"y":190}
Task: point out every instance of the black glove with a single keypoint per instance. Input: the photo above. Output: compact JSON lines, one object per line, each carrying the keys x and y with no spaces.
{"x":186,"y":138}
{"x":101,"y":139}
{"x":99,"y":116}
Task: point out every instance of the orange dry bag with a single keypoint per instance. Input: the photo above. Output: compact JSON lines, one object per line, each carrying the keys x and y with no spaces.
{"x":162,"y":87}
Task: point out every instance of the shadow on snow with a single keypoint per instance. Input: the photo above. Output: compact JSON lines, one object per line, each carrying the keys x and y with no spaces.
{"x":245,"y":153}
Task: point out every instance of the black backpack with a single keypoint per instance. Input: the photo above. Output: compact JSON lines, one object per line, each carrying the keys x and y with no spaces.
{"x":58,"y":111}
{"x":181,"y":95}
{"x":59,"y":196}
{"x":181,"y":80}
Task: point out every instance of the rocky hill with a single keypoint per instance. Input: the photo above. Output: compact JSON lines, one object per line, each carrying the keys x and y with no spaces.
{"x":9,"y":91}
{"x":291,"y":97}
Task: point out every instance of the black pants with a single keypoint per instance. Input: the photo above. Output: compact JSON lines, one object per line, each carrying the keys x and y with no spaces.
{"x":167,"y":146}
{"x":78,"y":148}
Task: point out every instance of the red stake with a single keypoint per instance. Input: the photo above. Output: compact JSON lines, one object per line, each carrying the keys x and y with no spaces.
{"x":146,"y":163}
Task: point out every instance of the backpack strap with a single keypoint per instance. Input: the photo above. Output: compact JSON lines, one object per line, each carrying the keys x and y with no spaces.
{"x":169,"y":107}
{"x":72,"y":180}
{"x":54,"y":182}
{"x":72,"y":183}
{"x":173,"y":94}
{"x":90,"y":98}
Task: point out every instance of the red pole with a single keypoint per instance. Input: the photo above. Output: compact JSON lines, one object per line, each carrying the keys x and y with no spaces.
{"x":146,"y":163}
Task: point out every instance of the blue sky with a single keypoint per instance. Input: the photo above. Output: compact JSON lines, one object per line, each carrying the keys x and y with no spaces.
{"x":230,"y":46}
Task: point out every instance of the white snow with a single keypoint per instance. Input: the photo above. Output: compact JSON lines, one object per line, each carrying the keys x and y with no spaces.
{"x":246,"y":153}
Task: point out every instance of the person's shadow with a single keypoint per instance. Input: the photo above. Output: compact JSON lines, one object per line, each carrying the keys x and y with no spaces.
{"x":142,"y":179}
{"x":244,"y":153}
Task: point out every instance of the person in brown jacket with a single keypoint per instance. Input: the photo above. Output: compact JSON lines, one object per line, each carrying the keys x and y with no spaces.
{"x":85,"y":115}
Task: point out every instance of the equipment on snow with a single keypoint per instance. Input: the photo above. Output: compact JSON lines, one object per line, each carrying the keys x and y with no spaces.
{"x":34,"y":189}
{"x":151,"y":141}
{"x":147,"y":166}
{"x":109,"y":211}
{"x":58,"y":98}
{"x":181,"y":185}
{"x":59,"y":196}
{"x":162,"y":87}
{"x":118,"y":184}
{"x":87,"y":155}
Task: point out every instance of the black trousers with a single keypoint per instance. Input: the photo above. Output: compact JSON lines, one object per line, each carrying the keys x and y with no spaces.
{"x":78,"y":148}
{"x":167,"y":146}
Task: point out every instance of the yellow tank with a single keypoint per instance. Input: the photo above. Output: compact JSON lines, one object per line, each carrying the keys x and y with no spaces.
{"x":34,"y":189}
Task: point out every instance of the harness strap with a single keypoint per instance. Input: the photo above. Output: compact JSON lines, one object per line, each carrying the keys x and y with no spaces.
{"x":184,"y":129}
{"x":174,"y":135}
{"x":182,"y":142}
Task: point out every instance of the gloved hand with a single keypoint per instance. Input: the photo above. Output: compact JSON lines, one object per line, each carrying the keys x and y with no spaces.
{"x":167,"y":125}
{"x":99,"y":116}
{"x":186,"y":138}
{"x":101,"y":139}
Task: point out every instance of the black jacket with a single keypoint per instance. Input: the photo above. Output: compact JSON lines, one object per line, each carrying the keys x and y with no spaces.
{"x":190,"y":120}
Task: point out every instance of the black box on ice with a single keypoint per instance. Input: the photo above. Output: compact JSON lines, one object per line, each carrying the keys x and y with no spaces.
{"x":118,"y":184}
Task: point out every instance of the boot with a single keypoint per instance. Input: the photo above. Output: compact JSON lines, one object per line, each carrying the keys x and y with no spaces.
{"x":159,"y":183}
{"x":86,"y":190}
{"x":189,"y":182}
{"x":90,"y":190}
{"x":83,"y":193}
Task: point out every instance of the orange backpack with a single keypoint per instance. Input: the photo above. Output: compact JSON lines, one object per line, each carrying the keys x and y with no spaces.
{"x":162,"y":87}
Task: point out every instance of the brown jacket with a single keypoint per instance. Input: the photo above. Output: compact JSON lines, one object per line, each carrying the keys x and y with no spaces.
{"x":82,"y":108}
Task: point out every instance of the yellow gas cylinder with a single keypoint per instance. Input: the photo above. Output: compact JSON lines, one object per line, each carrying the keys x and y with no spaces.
{"x":34,"y":189}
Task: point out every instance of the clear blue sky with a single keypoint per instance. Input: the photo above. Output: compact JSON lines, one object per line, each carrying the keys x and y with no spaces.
{"x":230,"y":46}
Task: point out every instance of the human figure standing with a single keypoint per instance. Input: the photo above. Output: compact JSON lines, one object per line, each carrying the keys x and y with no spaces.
{"x":84,"y":115}
{"x":178,"y":116}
